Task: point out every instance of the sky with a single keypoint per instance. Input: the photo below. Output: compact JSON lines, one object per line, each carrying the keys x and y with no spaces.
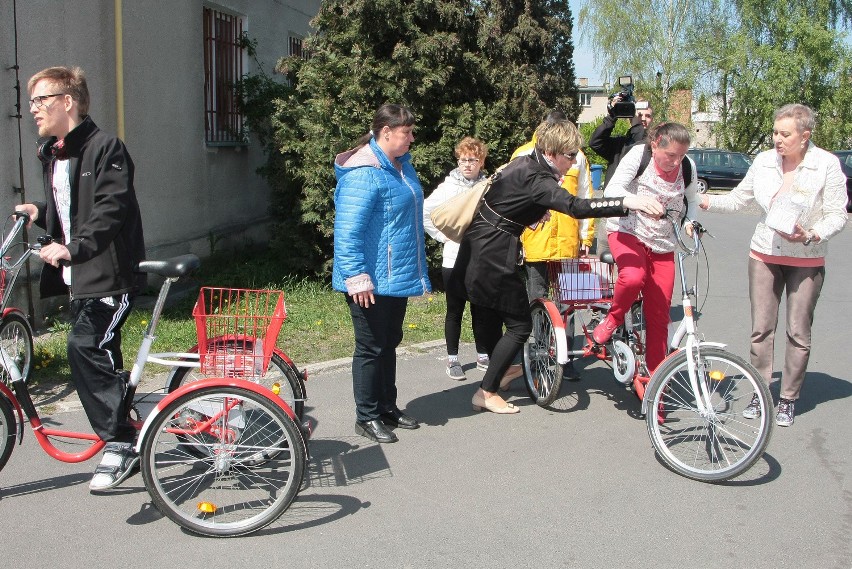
{"x":583,"y":59}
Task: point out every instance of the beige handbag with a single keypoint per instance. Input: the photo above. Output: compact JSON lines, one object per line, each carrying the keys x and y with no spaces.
{"x":454,"y":216}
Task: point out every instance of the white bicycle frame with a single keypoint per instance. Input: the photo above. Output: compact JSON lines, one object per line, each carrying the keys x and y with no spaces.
{"x":687,"y":329}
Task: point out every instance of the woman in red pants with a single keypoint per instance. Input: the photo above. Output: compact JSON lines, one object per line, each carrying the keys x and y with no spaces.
{"x":643,"y":246}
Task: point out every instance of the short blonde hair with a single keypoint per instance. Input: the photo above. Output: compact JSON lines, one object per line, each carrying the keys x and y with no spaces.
{"x":557,"y":137}
{"x":473,"y":146}
{"x":70,"y":80}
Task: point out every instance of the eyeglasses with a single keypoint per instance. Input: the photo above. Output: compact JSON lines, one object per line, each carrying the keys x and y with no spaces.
{"x":471,"y":161}
{"x":42,"y":99}
{"x":570,"y":155}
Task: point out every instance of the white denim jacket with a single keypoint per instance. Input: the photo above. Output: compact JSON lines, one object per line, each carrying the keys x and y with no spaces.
{"x":818,"y":179}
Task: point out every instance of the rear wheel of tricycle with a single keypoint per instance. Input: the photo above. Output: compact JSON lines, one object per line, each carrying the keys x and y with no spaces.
{"x":223,"y":461}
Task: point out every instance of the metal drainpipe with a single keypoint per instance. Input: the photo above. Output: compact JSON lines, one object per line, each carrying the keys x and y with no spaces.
{"x":119,"y":71}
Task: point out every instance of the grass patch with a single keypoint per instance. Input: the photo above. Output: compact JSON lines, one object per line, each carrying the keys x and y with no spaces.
{"x":318,"y":327}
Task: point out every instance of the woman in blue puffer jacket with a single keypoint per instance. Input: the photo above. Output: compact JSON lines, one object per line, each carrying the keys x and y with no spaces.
{"x":379,"y":261}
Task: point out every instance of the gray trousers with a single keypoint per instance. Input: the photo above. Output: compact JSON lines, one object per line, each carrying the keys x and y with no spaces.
{"x":766,"y":284}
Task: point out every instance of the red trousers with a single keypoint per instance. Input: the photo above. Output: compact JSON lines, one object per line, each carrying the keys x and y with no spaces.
{"x":652,"y":274}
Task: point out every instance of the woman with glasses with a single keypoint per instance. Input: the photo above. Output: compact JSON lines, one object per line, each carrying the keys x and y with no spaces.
{"x":643,"y":246}
{"x":470,"y":153}
{"x":487,"y":272}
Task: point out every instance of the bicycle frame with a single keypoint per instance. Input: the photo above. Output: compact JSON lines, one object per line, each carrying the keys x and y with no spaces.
{"x":687,"y":328}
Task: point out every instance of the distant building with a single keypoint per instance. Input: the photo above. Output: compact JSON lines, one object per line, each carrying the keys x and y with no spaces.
{"x":593,"y":100}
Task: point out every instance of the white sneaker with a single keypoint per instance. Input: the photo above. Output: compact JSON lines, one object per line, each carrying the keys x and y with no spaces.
{"x":119,"y":462}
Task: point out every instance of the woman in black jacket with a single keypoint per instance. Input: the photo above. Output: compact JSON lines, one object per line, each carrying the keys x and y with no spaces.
{"x":487,"y":266}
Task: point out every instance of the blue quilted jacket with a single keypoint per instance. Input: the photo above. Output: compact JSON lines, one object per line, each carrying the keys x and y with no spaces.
{"x":378,"y":225}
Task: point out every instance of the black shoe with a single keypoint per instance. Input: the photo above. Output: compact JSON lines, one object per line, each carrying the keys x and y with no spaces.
{"x":397,"y":418}
{"x":569,"y":373}
{"x":375,"y":431}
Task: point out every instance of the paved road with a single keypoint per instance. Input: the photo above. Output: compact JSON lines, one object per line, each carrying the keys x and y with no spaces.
{"x":577,"y":485}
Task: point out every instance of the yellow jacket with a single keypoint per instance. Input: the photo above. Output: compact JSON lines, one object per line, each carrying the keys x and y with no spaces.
{"x":561,"y":236}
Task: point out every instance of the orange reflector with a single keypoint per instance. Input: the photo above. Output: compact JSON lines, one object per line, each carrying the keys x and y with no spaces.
{"x":717,"y":375}
{"x":276,"y":388}
{"x":206,"y":508}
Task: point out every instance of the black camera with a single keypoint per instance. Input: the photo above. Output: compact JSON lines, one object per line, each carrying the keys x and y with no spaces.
{"x":626,"y":107}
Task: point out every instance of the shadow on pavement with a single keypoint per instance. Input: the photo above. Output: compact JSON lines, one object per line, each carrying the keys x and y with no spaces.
{"x":818,"y":388}
{"x":44,"y":485}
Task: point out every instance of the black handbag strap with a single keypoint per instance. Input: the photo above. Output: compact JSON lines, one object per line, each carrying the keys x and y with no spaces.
{"x":499,"y":222}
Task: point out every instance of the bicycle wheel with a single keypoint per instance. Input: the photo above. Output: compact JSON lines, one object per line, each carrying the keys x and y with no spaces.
{"x":8,"y":430}
{"x":247,"y":474}
{"x":280,"y":371}
{"x":16,"y":342}
{"x":623,"y":363}
{"x":716,"y":445}
{"x":542,"y":373}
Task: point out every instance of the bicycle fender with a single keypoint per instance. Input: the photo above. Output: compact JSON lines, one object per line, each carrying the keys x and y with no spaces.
{"x":11,"y":310}
{"x":8,"y":394}
{"x":212,"y":382}
{"x":558,"y":324}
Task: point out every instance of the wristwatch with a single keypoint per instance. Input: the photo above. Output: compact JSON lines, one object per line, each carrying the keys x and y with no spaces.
{"x":810,"y":237}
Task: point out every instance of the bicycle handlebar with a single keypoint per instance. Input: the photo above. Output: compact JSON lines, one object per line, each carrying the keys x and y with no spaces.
{"x":697,"y":231}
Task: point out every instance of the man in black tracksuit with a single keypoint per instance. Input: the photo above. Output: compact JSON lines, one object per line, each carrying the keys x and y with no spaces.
{"x":91,"y":211}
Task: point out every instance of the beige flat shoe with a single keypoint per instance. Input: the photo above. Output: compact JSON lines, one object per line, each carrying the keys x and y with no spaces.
{"x":513,"y":373}
{"x":482,"y":404}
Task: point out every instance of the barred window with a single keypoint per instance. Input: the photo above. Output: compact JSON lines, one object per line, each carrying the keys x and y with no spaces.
{"x":296,"y":47}
{"x":224,"y":60}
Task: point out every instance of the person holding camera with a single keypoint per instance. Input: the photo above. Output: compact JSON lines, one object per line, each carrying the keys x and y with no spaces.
{"x":613,"y":148}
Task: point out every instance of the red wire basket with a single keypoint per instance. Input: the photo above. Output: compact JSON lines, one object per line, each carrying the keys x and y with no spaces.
{"x":237,"y":330}
{"x":581,"y":280}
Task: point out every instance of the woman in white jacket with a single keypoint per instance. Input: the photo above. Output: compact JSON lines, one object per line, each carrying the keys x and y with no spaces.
{"x":471,"y":154}
{"x":801,"y":191}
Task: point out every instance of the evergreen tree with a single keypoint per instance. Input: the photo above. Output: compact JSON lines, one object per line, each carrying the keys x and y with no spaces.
{"x":484,"y":68}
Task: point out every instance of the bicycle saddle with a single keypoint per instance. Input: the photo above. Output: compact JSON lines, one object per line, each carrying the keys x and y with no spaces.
{"x":171,"y":268}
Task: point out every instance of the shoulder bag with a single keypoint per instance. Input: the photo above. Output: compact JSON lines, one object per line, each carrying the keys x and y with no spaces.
{"x":454,"y":216}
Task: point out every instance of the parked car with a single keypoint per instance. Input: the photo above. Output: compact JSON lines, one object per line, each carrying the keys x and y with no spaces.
{"x":719,"y":168}
{"x":846,"y":165}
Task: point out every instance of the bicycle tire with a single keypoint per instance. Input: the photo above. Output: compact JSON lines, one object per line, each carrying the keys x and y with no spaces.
{"x":623,"y":363}
{"x":542,"y":372}
{"x":243,"y":494}
{"x":8,"y":430}
{"x":721,"y":445}
{"x":16,"y":339}
{"x":280,"y":371}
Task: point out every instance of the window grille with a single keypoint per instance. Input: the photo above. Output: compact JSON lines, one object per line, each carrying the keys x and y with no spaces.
{"x":224,"y":58}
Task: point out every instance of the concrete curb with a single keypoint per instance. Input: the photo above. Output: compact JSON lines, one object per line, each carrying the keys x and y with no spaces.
{"x":342,"y":363}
